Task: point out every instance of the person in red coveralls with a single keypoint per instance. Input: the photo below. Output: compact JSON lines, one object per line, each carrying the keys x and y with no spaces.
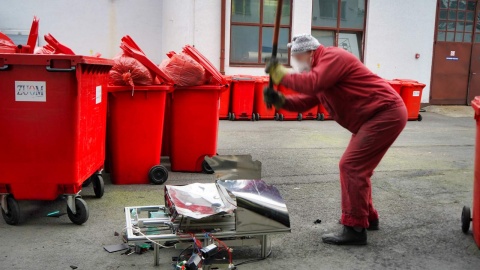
{"x":359,"y":101}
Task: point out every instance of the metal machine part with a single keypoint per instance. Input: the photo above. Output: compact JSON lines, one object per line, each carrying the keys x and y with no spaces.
{"x":235,"y":167}
{"x":251,"y":211}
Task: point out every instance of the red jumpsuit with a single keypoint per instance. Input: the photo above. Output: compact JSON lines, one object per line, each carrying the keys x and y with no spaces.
{"x":361,"y":102}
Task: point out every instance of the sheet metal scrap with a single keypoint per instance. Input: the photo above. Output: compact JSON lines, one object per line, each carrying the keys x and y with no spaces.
{"x":235,"y":167}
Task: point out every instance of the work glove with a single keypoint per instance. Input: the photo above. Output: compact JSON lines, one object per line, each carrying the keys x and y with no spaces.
{"x":276,"y":70}
{"x":272,"y":97}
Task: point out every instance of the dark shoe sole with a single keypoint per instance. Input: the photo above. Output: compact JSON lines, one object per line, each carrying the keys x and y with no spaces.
{"x":344,"y":243}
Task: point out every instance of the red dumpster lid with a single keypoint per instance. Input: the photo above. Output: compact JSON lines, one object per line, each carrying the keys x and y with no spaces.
{"x":227,"y":78}
{"x":131,"y":48}
{"x":51,"y":59}
{"x":476,"y":105}
{"x":202,"y":60}
{"x":167,"y":88}
{"x":243,"y":78}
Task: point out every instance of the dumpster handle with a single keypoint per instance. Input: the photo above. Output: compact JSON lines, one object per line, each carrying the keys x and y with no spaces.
{"x":60,"y":69}
{"x":4,"y":67}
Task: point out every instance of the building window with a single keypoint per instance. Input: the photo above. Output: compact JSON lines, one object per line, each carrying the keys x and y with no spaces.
{"x":251,"y":31}
{"x":455,"y":21}
{"x":340,"y":23}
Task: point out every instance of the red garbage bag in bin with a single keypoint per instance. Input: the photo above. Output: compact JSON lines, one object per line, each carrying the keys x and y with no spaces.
{"x":129,"y":71}
{"x":183,"y":70}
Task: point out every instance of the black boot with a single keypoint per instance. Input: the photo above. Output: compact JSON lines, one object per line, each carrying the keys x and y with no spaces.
{"x":347,"y":237}
{"x":373,"y":225}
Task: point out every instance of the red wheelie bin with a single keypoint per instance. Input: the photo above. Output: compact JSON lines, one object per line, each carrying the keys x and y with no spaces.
{"x":194,"y":126}
{"x":260,"y":110}
{"x":225,"y":100}
{"x":323,"y":114}
{"x":397,"y":85}
{"x":195,"y":117}
{"x":136,"y":132}
{"x":242,"y":94}
{"x":53,"y":119}
{"x":466,"y":213}
{"x":282,"y":114}
{"x":411,"y":94}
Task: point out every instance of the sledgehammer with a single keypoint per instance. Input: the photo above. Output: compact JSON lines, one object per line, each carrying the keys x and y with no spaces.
{"x":276,"y":30}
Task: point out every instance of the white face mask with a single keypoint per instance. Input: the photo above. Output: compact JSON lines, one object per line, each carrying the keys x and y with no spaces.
{"x":304,"y":66}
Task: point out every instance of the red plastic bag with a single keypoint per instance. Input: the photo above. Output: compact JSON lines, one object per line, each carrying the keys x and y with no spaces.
{"x":6,"y":44}
{"x":47,"y":49}
{"x":129,"y":71}
{"x":184,"y":70}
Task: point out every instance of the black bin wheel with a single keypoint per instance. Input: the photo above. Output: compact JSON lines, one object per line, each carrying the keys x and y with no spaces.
{"x":158,"y":175}
{"x":299,"y":117}
{"x":466,"y":219}
{"x":229,"y":116}
{"x":253,"y":117}
{"x":233,"y":117}
{"x":81,"y":209}
{"x":420,"y":117}
{"x":257,"y":116}
{"x":98,"y":185}
{"x":277,"y":117}
{"x":206,"y":168}
{"x":281,"y":117}
{"x":13,"y":216}
{"x":321,"y":117}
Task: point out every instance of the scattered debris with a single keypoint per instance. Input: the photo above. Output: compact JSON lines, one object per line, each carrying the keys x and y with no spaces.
{"x":73,"y":267}
{"x":115,"y":248}
{"x":318,"y":221}
{"x":116,"y":234}
{"x":55,"y":214}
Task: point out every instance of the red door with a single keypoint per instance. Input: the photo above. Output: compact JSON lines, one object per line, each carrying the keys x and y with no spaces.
{"x":474,"y":85}
{"x":452,"y":61}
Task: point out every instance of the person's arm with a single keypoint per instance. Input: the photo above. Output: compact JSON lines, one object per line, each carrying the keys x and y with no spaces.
{"x":323,"y":76}
{"x":300,"y":102}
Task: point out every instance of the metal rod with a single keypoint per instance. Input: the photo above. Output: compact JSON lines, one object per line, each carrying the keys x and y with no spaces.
{"x":156,"y":254}
{"x":264,"y":243}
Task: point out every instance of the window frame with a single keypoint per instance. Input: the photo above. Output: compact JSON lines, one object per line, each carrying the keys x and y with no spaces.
{"x":259,"y":25}
{"x":464,"y":32}
{"x":338,"y":29}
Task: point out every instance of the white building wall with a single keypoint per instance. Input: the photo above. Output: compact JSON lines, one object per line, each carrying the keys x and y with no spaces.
{"x":396,"y":31}
{"x":90,"y":26}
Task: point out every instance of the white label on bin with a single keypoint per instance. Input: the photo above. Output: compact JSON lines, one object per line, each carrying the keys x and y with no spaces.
{"x":98,"y":96}
{"x":416,"y":93}
{"x":30,"y":91}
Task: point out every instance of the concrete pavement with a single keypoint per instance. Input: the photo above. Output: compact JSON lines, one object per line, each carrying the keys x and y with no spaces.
{"x":419,"y":190}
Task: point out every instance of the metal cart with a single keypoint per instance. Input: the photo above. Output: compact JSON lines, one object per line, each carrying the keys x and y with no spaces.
{"x":239,"y":212}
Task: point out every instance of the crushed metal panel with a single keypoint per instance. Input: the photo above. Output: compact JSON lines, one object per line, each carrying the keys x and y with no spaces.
{"x":234,"y":167}
{"x":199,"y":200}
{"x":259,"y":205}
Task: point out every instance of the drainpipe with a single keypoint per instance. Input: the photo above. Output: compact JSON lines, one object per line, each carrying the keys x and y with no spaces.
{"x":222,"y":37}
